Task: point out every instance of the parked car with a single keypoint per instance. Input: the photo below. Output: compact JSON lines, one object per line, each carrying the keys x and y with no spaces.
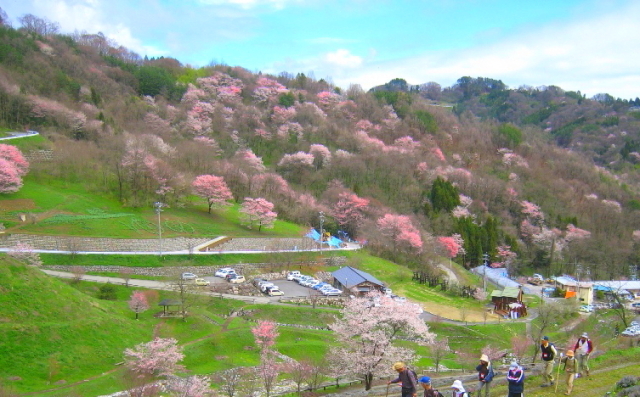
{"x":586,"y":308}
{"x":636,"y":305}
{"x":223,"y":272}
{"x":320,"y":285}
{"x":309,"y":282}
{"x":297,"y":277}
{"x":300,"y":279}
{"x":274,"y":291}
{"x":292,"y":274}
{"x":264,"y":286}
{"x":238,"y":279}
{"x":189,"y":276}
{"x":387,"y":291}
{"x":202,"y":282}
{"x":256,"y":281}
{"x":229,"y":276}
{"x":332,"y":292}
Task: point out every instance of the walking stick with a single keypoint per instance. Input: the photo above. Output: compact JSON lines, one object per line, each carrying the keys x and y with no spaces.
{"x":558,"y":375}
{"x":387,"y":395}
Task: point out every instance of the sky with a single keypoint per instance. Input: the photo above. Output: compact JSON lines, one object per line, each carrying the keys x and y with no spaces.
{"x":588,"y":45}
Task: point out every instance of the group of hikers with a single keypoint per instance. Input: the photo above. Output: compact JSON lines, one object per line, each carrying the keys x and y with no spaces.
{"x":576,"y":364}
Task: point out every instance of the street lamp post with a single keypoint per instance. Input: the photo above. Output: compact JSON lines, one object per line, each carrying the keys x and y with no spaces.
{"x":158,"y":208}
{"x":321,"y":217}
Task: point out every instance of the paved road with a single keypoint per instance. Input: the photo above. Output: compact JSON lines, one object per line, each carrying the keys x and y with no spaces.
{"x":161,"y":285}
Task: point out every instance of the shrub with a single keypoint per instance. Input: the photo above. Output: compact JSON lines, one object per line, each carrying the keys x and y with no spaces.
{"x":630,"y":392}
{"x":107,"y":292}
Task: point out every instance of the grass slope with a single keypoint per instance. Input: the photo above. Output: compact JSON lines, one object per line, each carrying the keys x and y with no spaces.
{"x":50,"y":331}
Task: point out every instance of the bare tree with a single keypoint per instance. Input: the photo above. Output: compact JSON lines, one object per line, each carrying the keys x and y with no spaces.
{"x":619,"y":305}
{"x":186,"y":293}
{"x":230,"y":380}
{"x":39,"y":26}
{"x":4,"y":19}
{"x":548,"y":314}
{"x":299,"y":372}
{"x":78,"y":272}
{"x":438,"y":349}
{"x":125,"y":273}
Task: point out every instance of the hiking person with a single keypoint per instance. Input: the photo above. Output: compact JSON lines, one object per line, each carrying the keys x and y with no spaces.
{"x":485,"y":375}
{"x":583,"y":349}
{"x":458,"y":389}
{"x":570,"y":369}
{"x":406,"y":378}
{"x":548,"y":352}
{"x":429,"y":391}
{"x":515,"y":377}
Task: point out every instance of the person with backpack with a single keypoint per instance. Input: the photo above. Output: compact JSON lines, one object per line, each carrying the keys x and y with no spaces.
{"x":548,"y":352}
{"x":458,"y":389}
{"x":407,"y":379}
{"x":515,"y":377}
{"x":570,"y":369}
{"x":429,"y":391}
{"x":485,"y":375}
{"x":583,"y":349}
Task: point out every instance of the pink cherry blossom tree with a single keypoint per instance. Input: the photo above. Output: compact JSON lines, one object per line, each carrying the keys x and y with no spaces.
{"x":159,"y":357}
{"x":321,"y":155}
{"x":10,"y":180}
{"x":452,"y":245}
{"x":138,"y":302}
{"x":265,"y":334}
{"x":213,"y":189}
{"x":259,"y":212}
{"x":366,"y":332}
{"x":400,"y":230}
{"x":349,"y":211}
{"x":14,"y":155}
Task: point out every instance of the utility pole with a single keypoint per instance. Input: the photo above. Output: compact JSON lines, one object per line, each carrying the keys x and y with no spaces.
{"x":485,"y":261}
{"x":158,"y":208}
{"x":321,"y":217}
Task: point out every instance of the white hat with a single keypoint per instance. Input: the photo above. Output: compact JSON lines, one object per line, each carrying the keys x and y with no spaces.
{"x":457,"y":384}
{"x":584,"y":335}
{"x":514,"y":364}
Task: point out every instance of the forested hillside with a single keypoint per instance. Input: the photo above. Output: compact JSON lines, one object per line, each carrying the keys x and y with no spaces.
{"x":535,"y":177}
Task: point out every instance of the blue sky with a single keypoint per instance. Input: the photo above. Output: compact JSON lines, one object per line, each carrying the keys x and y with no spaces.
{"x":587,"y":45}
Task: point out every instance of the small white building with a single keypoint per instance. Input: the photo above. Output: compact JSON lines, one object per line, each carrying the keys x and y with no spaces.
{"x":581,"y":290}
{"x":630,"y":288}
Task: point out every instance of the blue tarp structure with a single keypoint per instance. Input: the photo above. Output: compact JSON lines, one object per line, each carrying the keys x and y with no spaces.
{"x":331,"y":242}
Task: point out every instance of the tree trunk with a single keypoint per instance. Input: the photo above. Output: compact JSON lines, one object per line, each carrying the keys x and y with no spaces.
{"x":368,"y":380}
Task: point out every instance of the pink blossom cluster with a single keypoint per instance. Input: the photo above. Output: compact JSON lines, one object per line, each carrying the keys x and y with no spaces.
{"x":42,"y":107}
{"x":222,"y":86}
{"x":282,"y":114}
{"x":157,"y":124}
{"x":513,"y":159}
{"x":453,"y":245}
{"x":591,"y":196}
{"x":461,"y":212}
{"x":159,"y":357}
{"x":512,"y":193}
{"x":206,"y":141}
{"x":13,"y":166}
{"x":392,"y":120}
{"x":296,"y":160}
{"x":328,"y":99}
{"x":364,"y":125}
{"x":348,"y":109}
{"x":342,"y":154}
{"x":370,"y":143}
{"x":438,"y":153}
{"x":454,"y":173}
{"x":349,"y":209}
{"x":262,"y":133}
{"x":272,"y":186}
{"x":575,"y":233}
{"x":193,"y":95}
{"x":257,"y":211}
{"x":24,"y":252}
{"x":321,"y":155}
{"x":288,"y":128}
{"x":267,"y":90}
{"x":406,"y":144}
{"x":253,"y":162}
{"x":400,"y":230}
{"x":505,"y":255}
{"x":532,"y":210}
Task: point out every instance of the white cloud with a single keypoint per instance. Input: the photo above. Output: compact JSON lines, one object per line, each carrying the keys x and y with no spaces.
{"x":89,"y":16}
{"x":598,"y":54}
{"x":343,"y":58}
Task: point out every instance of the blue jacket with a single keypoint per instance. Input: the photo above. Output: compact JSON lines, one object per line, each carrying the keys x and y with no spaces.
{"x":516,"y":380}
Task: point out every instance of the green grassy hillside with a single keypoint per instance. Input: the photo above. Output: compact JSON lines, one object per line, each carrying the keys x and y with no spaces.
{"x":51,"y":332}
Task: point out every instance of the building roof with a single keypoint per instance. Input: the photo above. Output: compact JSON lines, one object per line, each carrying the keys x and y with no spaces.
{"x":568,"y":281}
{"x":507,"y":292}
{"x":620,"y":284}
{"x":350,"y":277}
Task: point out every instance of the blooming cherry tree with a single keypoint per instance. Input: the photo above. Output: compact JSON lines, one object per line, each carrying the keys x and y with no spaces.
{"x":349,"y":211}
{"x":367,"y":331}
{"x":193,"y":386}
{"x":265,"y":334}
{"x":159,"y":357}
{"x":138,"y":302}
{"x":213,"y":189}
{"x":257,"y":211}
{"x":400,"y":230}
{"x":24,"y":252}
{"x":452,"y":245}
{"x":10,"y":180}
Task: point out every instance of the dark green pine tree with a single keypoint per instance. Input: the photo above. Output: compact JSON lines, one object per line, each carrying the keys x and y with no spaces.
{"x":443,"y":195}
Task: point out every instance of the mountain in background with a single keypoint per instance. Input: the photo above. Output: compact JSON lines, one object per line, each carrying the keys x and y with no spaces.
{"x":534,"y":177}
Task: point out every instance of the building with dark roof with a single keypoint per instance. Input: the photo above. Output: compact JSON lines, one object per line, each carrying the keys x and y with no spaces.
{"x":355,"y":282}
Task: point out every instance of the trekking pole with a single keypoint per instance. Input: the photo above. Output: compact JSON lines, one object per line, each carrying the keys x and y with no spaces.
{"x":387,"y":395}
{"x":558,"y":375}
